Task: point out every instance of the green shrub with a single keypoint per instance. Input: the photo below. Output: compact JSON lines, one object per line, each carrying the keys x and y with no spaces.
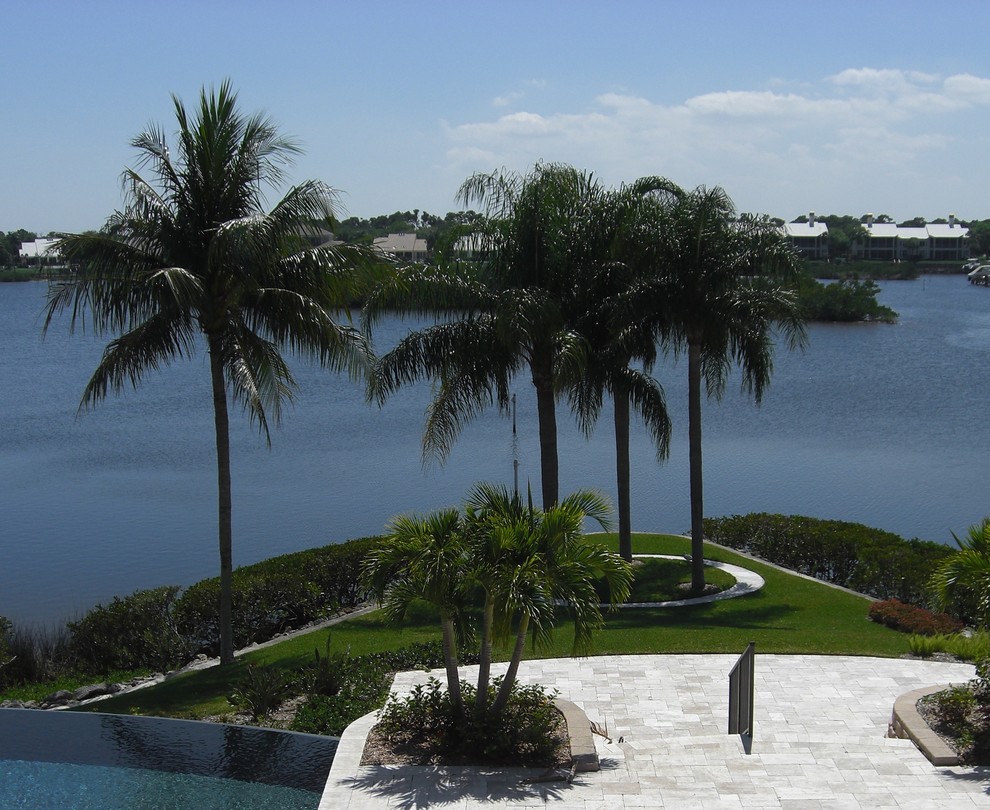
{"x":364,"y":687}
{"x":6,"y":655}
{"x":952,"y":709}
{"x":927,"y":646}
{"x":898,"y":615}
{"x":424,"y":722}
{"x":130,"y":633}
{"x":970,"y":648}
{"x":276,"y":595}
{"x":262,"y":691}
{"x":852,"y":555}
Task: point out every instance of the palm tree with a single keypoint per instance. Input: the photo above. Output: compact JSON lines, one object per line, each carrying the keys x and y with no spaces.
{"x":719,"y":291}
{"x":426,"y":558}
{"x":513,"y":302}
{"x":193,"y":253}
{"x":964,"y":578}
{"x":617,"y":343}
{"x":533,"y":563}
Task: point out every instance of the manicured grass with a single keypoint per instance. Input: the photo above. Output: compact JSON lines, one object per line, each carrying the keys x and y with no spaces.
{"x":789,"y":615}
{"x":658,"y":580}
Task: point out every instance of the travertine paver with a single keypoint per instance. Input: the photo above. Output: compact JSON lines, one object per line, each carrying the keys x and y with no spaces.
{"x":819,"y":741}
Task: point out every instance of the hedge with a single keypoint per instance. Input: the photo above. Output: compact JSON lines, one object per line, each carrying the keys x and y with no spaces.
{"x":868,"y":560}
{"x":161,"y":628}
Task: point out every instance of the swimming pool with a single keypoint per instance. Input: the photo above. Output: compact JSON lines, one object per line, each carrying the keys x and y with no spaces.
{"x":85,"y":761}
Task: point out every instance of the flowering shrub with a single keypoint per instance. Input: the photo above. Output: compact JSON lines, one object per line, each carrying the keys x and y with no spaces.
{"x":898,"y":615}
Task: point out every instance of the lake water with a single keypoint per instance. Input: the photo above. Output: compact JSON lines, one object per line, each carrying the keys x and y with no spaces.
{"x":872,"y":423}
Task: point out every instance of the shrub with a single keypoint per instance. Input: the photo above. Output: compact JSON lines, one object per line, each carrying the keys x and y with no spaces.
{"x":262,"y":691}
{"x":898,"y":615}
{"x":276,"y":595}
{"x":423,"y":722}
{"x":364,"y":687}
{"x":37,"y":655}
{"x":852,"y":555}
{"x":970,"y":648}
{"x":927,"y":646}
{"x":952,"y":709}
{"x":132,"y":632}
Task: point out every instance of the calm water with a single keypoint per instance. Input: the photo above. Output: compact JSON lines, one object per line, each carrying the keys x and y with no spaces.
{"x":872,"y":423}
{"x":89,"y":761}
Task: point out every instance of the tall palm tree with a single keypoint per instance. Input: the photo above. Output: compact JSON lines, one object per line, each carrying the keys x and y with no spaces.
{"x":720,"y":290}
{"x":513,"y":302}
{"x":193,"y":254}
{"x":621,"y":349}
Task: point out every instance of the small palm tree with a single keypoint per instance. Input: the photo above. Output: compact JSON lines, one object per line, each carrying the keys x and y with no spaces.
{"x":193,"y":254}
{"x":528,"y":564}
{"x":964,"y":578}
{"x":426,"y":558}
{"x":534,"y":563}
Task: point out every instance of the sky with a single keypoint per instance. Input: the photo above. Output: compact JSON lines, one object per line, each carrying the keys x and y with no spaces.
{"x":838,"y":108}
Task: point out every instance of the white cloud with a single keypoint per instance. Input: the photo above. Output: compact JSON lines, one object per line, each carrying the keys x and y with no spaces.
{"x":843,"y":134}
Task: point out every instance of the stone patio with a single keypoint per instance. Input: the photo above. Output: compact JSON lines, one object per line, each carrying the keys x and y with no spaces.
{"x":820,"y":741}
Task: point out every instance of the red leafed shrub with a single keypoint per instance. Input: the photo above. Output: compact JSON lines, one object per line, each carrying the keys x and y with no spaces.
{"x":912,"y":619}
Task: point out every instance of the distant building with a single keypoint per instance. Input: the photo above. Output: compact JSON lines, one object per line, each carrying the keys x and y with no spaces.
{"x":809,"y":239}
{"x":888,"y":242}
{"x":38,"y":249}
{"x":406,"y":247}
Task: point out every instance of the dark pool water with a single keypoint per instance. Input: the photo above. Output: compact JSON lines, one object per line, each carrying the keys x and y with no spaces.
{"x":79,"y":761}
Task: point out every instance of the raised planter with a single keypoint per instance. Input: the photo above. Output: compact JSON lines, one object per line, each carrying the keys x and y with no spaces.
{"x":907,"y":724}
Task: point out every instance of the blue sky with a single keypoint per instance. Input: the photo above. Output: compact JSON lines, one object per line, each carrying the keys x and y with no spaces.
{"x":838,"y":107}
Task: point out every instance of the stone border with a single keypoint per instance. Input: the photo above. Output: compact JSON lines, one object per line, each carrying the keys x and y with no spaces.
{"x":907,"y":724}
{"x":746,"y":582}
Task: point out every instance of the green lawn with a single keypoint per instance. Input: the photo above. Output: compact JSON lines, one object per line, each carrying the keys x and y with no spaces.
{"x":789,"y":615}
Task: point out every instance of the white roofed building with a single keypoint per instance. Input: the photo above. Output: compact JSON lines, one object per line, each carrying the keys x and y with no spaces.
{"x":885,"y":241}
{"x":403,"y":246}
{"x":38,"y":249}
{"x":809,"y":239}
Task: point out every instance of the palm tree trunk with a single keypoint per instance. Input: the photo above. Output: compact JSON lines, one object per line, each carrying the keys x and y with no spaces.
{"x":222,"y":425}
{"x":502,"y":699}
{"x":621,"y":405}
{"x":694,"y":441}
{"x":546,"y":411}
{"x":485,"y":659}
{"x":450,"y":663}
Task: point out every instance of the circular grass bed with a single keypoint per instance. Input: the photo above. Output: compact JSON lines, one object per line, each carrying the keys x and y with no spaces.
{"x":659,"y":580}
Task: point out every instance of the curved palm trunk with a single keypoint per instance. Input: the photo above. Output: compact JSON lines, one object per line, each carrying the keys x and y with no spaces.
{"x":222,"y":425}
{"x":694,"y":441}
{"x":621,"y":405}
{"x":485,"y":659}
{"x":546,"y":411}
{"x":502,"y":699}
{"x":450,"y":663}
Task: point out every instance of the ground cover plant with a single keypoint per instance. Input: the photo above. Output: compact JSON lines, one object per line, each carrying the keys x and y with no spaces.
{"x":961,"y":716}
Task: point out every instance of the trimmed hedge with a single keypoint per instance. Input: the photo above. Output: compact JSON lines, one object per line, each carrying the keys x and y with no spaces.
{"x":867,"y":560}
{"x":161,"y":628}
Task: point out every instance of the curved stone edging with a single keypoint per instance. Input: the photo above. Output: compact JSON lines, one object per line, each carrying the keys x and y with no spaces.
{"x":746,"y":582}
{"x":347,"y":759}
{"x":907,"y":724}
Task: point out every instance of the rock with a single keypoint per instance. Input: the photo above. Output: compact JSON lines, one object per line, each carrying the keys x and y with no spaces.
{"x":92,"y":691}
{"x":59,"y":698}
